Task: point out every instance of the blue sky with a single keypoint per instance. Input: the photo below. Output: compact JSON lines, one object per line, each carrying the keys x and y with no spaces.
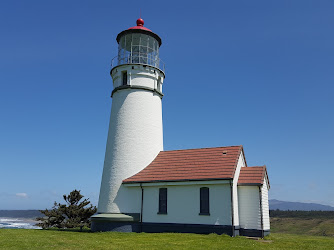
{"x":252,"y":73}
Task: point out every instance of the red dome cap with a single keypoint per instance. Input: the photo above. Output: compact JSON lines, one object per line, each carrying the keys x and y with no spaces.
{"x":139,"y":29}
{"x":140,"y":25}
{"x":140,"y":22}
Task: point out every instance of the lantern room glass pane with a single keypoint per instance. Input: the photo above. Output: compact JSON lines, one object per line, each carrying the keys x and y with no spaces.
{"x":143,"y":49}
{"x":151,"y":43}
{"x":122,"y":43}
{"x":135,"y":39}
{"x":135,"y":48}
{"x":143,"y":40}
{"x":138,"y":48}
{"x":128,"y":42}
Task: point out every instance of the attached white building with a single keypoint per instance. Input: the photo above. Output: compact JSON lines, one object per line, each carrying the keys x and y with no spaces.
{"x":146,"y":189}
{"x":196,"y":190}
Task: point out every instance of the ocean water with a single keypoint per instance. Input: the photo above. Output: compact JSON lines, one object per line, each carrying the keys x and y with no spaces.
{"x":17,"y":223}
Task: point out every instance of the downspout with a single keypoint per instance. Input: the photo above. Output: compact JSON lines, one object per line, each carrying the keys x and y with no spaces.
{"x":260,"y":198}
{"x":141,"y":207}
{"x":232,"y":208}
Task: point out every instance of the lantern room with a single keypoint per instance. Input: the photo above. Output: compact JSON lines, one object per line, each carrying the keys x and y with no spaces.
{"x":138,"y":45}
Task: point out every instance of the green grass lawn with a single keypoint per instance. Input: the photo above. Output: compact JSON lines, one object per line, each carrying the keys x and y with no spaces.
{"x":46,"y":239}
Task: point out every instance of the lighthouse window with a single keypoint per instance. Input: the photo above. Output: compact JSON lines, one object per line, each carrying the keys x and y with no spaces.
{"x":159,"y":84}
{"x":204,"y":201}
{"x":162,"y":201}
{"x":125,"y":78}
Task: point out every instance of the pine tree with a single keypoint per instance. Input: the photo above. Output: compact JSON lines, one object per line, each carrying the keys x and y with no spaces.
{"x":53,"y":217}
{"x":76,"y":212}
{"x":70,"y":215}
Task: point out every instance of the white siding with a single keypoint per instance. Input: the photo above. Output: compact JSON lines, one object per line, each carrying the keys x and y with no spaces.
{"x":265,"y":205}
{"x":241,"y":163}
{"x":183,"y":205}
{"x":249,"y":207}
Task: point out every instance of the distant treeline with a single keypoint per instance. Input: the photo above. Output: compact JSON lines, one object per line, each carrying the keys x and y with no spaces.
{"x":20,"y":213}
{"x":302,"y":214}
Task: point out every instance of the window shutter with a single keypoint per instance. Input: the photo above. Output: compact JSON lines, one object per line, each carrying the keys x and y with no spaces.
{"x":204,"y":201}
{"x":162,"y":201}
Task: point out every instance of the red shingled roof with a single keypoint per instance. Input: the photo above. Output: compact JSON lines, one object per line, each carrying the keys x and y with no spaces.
{"x":252,"y":175}
{"x":190,"y":164}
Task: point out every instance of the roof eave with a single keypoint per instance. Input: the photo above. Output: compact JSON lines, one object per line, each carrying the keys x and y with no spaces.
{"x":241,"y":150}
{"x":250,"y":184}
{"x":265,"y":174}
{"x":181,"y":180}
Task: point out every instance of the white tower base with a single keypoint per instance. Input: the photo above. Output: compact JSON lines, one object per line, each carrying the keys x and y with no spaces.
{"x":135,"y":135}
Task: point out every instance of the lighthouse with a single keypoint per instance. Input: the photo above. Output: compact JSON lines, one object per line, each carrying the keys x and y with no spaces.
{"x":135,"y":135}
{"x":147,"y":189}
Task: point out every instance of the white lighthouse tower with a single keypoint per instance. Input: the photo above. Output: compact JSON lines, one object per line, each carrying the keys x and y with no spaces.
{"x":135,"y":134}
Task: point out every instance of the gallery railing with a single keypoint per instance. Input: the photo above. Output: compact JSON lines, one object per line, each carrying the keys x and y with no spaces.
{"x":138,"y":58}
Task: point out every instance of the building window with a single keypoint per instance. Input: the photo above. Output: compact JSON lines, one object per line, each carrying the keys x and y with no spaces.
{"x":125,"y":78}
{"x":204,"y":201}
{"x":162,"y":201}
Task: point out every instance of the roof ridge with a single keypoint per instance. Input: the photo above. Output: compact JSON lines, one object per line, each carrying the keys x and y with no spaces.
{"x":200,"y":148}
{"x":257,"y":166}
